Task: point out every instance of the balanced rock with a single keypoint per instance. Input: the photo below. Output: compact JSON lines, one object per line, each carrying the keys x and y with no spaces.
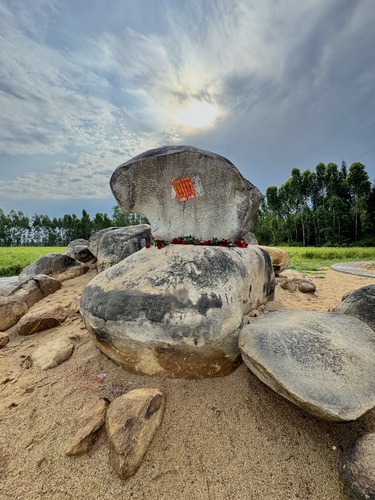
{"x":360,"y":304}
{"x":52,"y":353}
{"x":177,"y":312}
{"x":280,"y":258}
{"x":17,"y":298}
{"x":57,"y":265}
{"x":358,"y":469}
{"x":187,"y":191}
{"x":39,"y":320}
{"x":132,"y":420}
{"x":114,"y":246}
{"x":91,"y":422}
{"x":322,"y":362}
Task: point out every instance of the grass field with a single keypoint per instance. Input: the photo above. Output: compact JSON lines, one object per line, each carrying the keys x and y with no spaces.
{"x":303,"y":259}
{"x":14,"y":259}
{"x":315,"y":259}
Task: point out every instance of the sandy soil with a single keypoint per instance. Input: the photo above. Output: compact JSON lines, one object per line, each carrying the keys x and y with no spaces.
{"x":225,"y":438}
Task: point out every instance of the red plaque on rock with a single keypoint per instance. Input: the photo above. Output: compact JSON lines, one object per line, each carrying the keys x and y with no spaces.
{"x":184,"y":189}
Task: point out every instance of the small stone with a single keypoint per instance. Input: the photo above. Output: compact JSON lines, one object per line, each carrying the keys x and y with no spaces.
{"x":288,"y":284}
{"x":358,"y":469}
{"x":52,"y":353}
{"x":39,"y":320}
{"x":91,"y":422}
{"x":306,"y":287}
{"x":132,"y":420}
{"x":4,"y":339}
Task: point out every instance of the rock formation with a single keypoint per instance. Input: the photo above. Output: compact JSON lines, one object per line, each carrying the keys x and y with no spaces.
{"x":177,"y":312}
{"x":322,"y":362}
{"x":187,"y":191}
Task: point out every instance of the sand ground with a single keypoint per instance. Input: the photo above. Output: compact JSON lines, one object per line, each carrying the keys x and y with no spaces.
{"x":224,"y":438}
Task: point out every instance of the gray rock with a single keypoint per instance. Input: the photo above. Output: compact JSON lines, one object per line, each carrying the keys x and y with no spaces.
{"x":177,"y":312}
{"x":322,"y":362}
{"x":91,"y":422}
{"x":360,"y":304}
{"x":79,"y":250}
{"x":250,"y":239}
{"x":358,"y":469}
{"x":306,"y":287}
{"x":52,"y":353}
{"x":131,"y":423}
{"x":114,"y":246}
{"x":16,"y":298}
{"x":57,"y":265}
{"x":224,"y":204}
{"x":95,"y":238}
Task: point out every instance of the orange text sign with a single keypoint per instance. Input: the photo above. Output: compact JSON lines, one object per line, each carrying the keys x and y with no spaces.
{"x":184,"y":189}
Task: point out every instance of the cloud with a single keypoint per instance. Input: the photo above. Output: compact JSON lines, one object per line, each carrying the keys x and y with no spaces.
{"x":90,"y":88}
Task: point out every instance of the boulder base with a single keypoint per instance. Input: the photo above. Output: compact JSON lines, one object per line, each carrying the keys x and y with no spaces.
{"x":177,"y":312}
{"x":322,"y":362}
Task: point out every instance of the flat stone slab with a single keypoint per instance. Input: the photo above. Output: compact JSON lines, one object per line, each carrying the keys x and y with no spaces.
{"x":360,"y":268}
{"x":187,"y":191}
{"x":322,"y":362}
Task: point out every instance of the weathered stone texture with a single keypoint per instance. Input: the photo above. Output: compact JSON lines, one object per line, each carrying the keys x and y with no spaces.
{"x":225,"y":205}
{"x":323,"y":362}
{"x":177,"y":312}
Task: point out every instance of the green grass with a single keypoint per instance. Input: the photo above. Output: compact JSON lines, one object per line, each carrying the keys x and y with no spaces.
{"x":14,"y":259}
{"x":316,"y":259}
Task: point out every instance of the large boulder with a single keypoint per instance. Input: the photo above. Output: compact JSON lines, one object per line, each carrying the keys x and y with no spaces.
{"x":114,"y":246}
{"x":58,"y":265}
{"x":177,"y":312}
{"x":187,"y":191}
{"x":322,"y":362}
{"x":358,"y":469}
{"x":360,"y":304}
{"x":17,"y":298}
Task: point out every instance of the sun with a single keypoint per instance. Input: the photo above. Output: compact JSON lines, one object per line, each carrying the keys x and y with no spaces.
{"x":197,"y":115}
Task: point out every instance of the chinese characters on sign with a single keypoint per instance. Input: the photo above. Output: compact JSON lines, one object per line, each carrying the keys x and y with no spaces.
{"x":184,"y":189}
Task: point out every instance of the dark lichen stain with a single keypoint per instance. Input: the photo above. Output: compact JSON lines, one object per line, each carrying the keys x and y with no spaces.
{"x":206,"y":302}
{"x":154,"y":406}
{"x":129,"y":305}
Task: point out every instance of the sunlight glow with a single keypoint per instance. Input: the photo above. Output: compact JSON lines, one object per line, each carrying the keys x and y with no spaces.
{"x":197,"y":115}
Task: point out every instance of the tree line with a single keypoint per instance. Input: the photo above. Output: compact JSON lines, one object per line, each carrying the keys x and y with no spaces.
{"x":17,"y":229}
{"x":325,"y":207}
{"x":330,"y":206}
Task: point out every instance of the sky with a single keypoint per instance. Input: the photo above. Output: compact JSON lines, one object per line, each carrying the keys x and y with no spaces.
{"x":85,"y":85}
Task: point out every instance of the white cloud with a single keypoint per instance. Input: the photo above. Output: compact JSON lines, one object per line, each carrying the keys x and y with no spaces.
{"x":278,"y":74}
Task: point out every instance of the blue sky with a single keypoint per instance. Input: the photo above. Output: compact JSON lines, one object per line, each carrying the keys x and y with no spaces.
{"x":87,"y":84}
